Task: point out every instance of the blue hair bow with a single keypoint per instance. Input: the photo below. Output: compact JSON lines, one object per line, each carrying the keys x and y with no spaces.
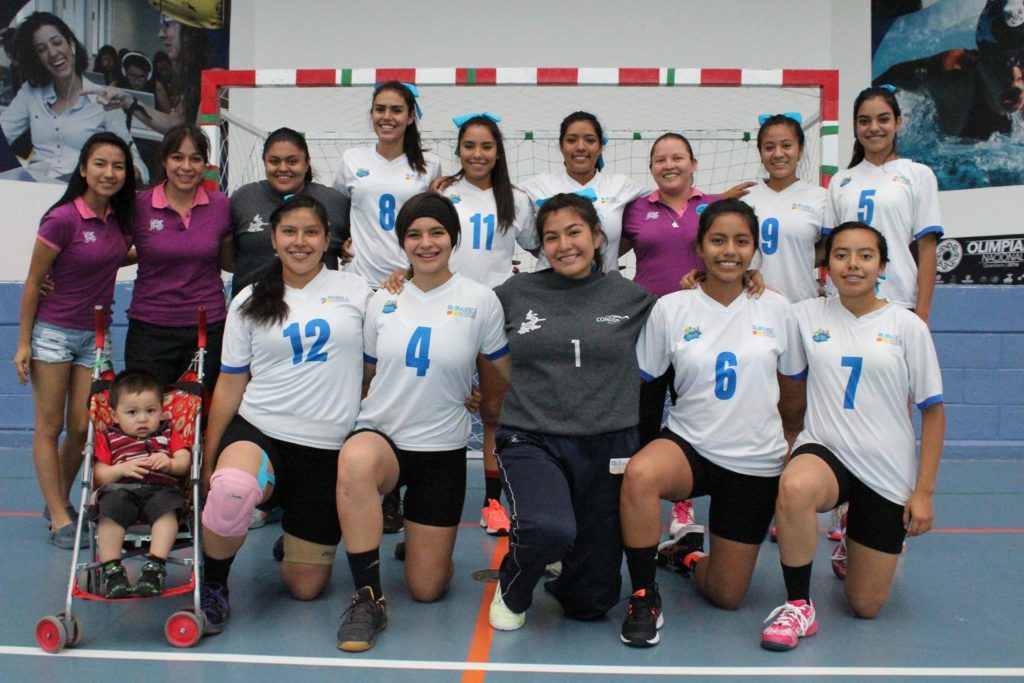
{"x":890,"y":88}
{"x":795,"y":115}
{"x":600,"y":162}
{"x":586,"y":193}
{"x":412,"y":89}
{"x":460,"y":121}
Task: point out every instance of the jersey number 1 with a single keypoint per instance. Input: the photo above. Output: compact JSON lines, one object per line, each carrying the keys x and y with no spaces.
{"x":418,"y":352}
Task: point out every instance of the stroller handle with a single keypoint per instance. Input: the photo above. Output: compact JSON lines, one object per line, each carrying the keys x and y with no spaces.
{"x":202,"y":327}
{"x":99,"y":318}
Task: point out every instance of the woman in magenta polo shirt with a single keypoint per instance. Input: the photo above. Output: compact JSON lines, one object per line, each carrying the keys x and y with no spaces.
{"x":81,"y":244}
{"x":182,"y":235}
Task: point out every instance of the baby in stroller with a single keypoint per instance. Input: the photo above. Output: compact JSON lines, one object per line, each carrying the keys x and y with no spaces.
{"x":139,"y":468}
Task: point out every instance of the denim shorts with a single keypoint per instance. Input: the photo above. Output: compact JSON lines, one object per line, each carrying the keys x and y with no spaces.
{"x":52,"y":344}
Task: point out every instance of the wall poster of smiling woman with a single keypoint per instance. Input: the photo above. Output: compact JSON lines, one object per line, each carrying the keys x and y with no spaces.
{"x":125,"y":66}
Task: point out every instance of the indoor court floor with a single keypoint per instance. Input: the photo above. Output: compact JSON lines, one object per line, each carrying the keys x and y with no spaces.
{"x":955,"y":611}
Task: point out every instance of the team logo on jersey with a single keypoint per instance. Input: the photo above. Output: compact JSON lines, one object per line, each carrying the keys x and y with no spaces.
{"x":461,"y":311}
{"x":455,"y":198}
{"x":797,"y":206}
{"x":611,"y":319}
{"x":89,"y":236}
{"x":700,"y":208}
{"x":412,"y":176}
{"x":390,"y":306}
{"x":845,"y":181}
{"x":531,"y":323}
{"x":821,"y":335}
{"x":652,"y":215}
{"x":762,"y":331}
{"x":334,"y":299}
{"x":156,"y":224}
{"x":888,"y":338}
{"x":901,"y":179}
{"x":691,"y":332}
{"x":256,"y":224}
{"x":362,"y":172}
{"x":605,"y":200}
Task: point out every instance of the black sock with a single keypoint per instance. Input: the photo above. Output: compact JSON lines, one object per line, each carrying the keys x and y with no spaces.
{"x":643,"y":566}
{"x":162,"y":561}
{"x":366,"y":570}
{"x":492,"y":486}
{"x":216,"y":571}
{"x":798,"y":582}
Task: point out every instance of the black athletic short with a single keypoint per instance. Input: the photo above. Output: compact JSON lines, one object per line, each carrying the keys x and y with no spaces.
{"x":305,"y":485}
{"x":434,"y":481}
{"x":127,"y":504}
{"x":742,"y":505}
{"x":872,"y":520}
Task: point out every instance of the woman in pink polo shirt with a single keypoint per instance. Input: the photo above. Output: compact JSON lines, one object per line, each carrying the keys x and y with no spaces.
{"x":81,"y":244}
{"x":182,"y":235}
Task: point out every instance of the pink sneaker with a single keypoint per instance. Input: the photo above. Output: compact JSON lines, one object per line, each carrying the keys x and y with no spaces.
{"x":839,"y":558}
{"x":682,"y":521}
{"x":836,"y":526}
{"x":789,"y":623}
{"x":494,"y":519}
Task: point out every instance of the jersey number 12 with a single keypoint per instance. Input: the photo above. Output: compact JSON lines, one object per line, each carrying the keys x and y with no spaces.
{"x":319,"y":328}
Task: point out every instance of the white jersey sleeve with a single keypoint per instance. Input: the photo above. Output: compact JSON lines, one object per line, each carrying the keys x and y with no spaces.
{"x":654,"y":345}
{"x":485,"y":250}
{"x":424,"y":346}
{"x":727,"y":360}
{"x":378,"y":188}
{"x":791,"y":225}
{"x":861,"y":373}
{"x":305,"y":373}
{"x":900,"y":200}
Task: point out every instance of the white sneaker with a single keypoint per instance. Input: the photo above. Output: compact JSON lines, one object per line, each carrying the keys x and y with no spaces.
{"x":501,"y":617}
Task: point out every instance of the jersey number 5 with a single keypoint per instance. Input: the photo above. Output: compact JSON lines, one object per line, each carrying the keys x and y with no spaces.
{"x":866,"y":206}
{"x":417,"y":353}
{"x":319,"y":328}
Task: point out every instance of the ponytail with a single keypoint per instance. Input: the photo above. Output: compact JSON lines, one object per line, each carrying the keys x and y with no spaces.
{"x":266,"y":306}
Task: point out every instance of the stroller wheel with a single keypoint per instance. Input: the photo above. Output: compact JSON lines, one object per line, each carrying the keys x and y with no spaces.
{"x":75,"y":636}
{"x":51,"y":635}
{"x":183,"y":629}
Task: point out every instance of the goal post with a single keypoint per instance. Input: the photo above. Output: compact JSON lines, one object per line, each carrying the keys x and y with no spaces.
{"x":716,"y":108}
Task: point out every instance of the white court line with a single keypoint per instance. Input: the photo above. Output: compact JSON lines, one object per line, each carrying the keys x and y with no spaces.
{"x":346,"y":663}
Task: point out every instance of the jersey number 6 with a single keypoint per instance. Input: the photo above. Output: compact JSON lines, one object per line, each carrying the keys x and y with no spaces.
{"x":725,"y":376}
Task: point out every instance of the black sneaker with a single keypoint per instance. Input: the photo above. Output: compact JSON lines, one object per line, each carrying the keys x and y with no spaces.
{"x":213,"y":598}
{"x":643,"y":618}
{"x":151,"y":580}
{"x":115,"y":581}
{"x":671,"y":553}
{"x":362,"y":621}
{"x":392,"y":506}
{"x":278,"y":550}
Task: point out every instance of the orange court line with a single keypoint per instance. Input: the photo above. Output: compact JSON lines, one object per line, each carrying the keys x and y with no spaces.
{"x":480,"y":647}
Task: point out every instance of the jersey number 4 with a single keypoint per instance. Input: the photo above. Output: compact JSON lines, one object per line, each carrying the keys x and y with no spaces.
{"x":319,"y":328}
{"x":417,"y":353}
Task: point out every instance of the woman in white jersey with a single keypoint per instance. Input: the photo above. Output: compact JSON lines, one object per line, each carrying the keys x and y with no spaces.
{"x":730,"y":352}
{"x":494,"y":216}
{"x":420,"y":348}
{"x":866,"y":358}
{"x":581,"y":140}
{"x":792,"y":214}
{"x":379,"y":179}
{"x":286,"y":398}
{"x":896,"y":196}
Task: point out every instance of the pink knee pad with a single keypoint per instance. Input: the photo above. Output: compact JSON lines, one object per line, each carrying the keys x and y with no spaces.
{"x":234,"y":493}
